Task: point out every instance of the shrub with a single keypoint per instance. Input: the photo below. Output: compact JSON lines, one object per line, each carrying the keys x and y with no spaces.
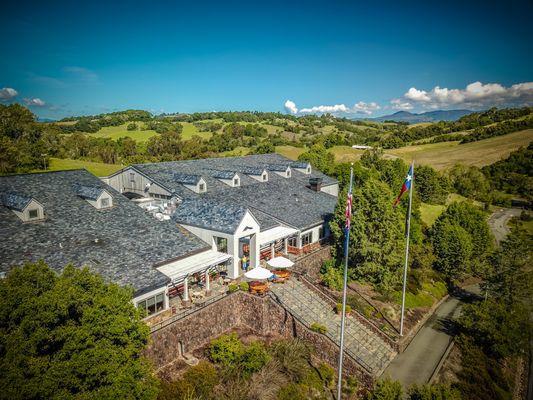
{"x":202,"y":378}
{"x":386,"y":390}
{"x":338,"y":308}
{"x":253,"y":357}
{"x":233,"y":287}
{"x":332,"y":276}
{"x":293,"y":357}
{"x":292,"y":391}
{"x":327,"y":374}
{"x":226,"y":350}
{"x":433,"y":392}
{"x":319,"y":328}
{"x":244,"y":286}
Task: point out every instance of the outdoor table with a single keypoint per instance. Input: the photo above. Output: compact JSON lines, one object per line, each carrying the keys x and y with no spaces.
{"x":282,"y":273}
{"x":258,"y":287}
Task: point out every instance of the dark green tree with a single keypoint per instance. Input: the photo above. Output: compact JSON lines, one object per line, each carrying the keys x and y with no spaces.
{"x":70,"y":336}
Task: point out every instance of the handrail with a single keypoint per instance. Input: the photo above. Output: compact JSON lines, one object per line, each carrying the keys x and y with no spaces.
{"x":187,"y":312}
{"x":357,"y":359}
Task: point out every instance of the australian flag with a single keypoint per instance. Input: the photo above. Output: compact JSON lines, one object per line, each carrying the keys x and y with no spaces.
{"x":406,"y":185}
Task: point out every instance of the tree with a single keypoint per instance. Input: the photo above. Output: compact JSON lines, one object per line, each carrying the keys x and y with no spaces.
{"x":264,"y":148}
{"x":132,"y":126}
{"x":376,"y":235}
{"x":431,"y":186}
{"x":319,"y":158}
{"x":70,"y":336}
{"x":469,"y":181}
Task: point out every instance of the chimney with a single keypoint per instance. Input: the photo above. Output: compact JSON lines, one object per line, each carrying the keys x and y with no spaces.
{"x":315,"y":184}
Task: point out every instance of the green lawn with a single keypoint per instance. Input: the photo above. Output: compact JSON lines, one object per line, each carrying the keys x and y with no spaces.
{"x":189,"y":130}
{"x":290,"y":151}
{"x":447,"y":154}
{"x":430,"y":212}
{"x":116,"y":132}
{"x":98,"y":169}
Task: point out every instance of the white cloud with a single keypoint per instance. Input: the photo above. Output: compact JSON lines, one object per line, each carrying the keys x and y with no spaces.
{"x":475,"y":95}
{"x":366,"y":108}
{"x":417,"y":95}
{"x":34,"y":102}
{"x":337,"y":108}
{"x":7,"y":93}
{"x":359,"y":108}
{"x":398,"y":104}
{"x":290,"y":106}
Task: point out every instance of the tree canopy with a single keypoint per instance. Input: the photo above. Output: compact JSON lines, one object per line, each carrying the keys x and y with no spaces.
{"x":70,"y":336}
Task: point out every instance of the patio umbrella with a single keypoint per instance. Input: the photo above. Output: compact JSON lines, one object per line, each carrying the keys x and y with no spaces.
{"x":280,"y":262}
{"x":258,"y":274}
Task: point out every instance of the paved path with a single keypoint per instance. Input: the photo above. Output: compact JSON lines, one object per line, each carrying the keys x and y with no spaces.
{"x":361,"y":343}
{"x":499,"y":219}
{"x":417,"y":363}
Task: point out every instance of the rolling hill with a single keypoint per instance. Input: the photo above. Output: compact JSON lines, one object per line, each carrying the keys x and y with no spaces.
{"x":429,"y":116}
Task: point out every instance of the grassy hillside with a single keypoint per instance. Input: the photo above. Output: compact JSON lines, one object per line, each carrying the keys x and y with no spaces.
{"x":189,"y":130}
{"x":439,"y":155}
{"x":98,"y":169}
{"x":480,"y":153}
{"x":116,"y":132}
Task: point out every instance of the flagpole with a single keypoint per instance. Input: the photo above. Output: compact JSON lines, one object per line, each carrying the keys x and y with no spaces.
{"x":346,"y":244}
{"x":411,"y":189}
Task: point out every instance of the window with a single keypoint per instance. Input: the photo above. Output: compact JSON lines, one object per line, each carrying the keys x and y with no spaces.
{"x":201,"y":187}
{"x":132,"y":176}
{"x":321,"y":232}
{"x":221,"y":243}
{"x":308,"y":170}
{"x":236,"y":181}
{"x":292,"y":241}
{"x":33,"y":213}
{"x":307,"y":238}
{"x":152,"y":304}
{"x":288,"y":173}
{"x":264,"y":177}
{"x":104,"y":203}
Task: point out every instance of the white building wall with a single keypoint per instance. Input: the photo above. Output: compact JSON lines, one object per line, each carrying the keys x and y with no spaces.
{"x":331,"y":189}
{"x":152,"y":293}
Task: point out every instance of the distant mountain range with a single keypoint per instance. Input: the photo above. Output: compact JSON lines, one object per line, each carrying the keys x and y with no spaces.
{"x":39,"y":119}
{"x":429,"y":116}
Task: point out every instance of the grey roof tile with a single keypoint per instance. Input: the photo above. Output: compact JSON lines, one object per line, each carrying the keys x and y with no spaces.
{"x":14,"y":201}
{"x":122,"y":243}
{"x":87,"y":192}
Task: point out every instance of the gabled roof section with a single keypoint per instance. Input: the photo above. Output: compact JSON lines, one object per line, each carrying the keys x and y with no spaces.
{"x":186,"y":179}
{"x":15,"y":201}
{"x":224,"y":174}
{"x":252,"y":170}
{"x":88,"y":192}
{"x":278,"y":167}
{"x":210,"y":214}
{"x":300,"y":164}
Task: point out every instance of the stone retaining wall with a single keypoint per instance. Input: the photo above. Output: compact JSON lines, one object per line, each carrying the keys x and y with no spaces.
{"x":260,"y":314}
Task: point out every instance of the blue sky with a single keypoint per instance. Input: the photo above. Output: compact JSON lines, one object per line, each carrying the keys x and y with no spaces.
{"x":372,"y":58}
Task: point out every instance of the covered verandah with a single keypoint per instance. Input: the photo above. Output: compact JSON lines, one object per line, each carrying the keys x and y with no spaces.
{"x":275,"y":241}
{"x":197,"y":277}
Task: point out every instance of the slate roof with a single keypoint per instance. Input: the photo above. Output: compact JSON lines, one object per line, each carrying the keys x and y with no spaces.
{"x":88,"y":192}
{"x":122,"y":243}
{"x":299,"y":164}
{"x":224,"y":174}
{"x":211,"y":214}
{"x":14,"y":201}
{"x":280,"y":200}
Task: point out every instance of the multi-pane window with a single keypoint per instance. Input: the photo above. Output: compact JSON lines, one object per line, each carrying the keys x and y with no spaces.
{"x":34,"y":213}
{"x":152,"y":304}
{"x":307,"y":238}
{"x":221,"y":243}
{"x":293,"y":241}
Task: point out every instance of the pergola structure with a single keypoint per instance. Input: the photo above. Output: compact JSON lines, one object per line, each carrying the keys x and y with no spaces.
{"x":273,"y":235}
{"x":201,"y":263}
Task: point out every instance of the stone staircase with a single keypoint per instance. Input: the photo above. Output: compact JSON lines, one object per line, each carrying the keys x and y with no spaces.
{"x":363,"y":345}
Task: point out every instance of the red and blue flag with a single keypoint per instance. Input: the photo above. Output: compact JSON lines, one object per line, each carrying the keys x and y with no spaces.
{"x":406,"y":185}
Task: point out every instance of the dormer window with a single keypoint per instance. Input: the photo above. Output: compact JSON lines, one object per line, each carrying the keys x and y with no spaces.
{"x":302,"y":166}
{"x":25,"y":207}
{"x":264,"y":176}
{"x":96,"y":196}
{"x":308,"y":170}
{"x":236,"y":182}
{"x":201,"y":187}
{"x":288,"y":173}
